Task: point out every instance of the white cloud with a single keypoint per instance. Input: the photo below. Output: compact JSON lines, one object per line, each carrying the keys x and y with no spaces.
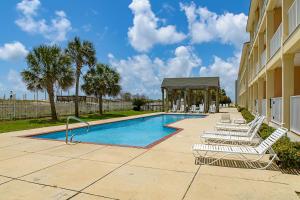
{"x":28,"y":7}
{"x":206,"y":26}
{"x":56,"y":30}
{"x":13,"y":51}
{"x":227,"y":71}
{"x":142,"y":74}
{"x":145,"y":32}
{"x":15,"y":81}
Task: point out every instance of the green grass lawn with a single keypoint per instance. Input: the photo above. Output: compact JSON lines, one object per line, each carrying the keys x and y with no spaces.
{"x":17,"y":125}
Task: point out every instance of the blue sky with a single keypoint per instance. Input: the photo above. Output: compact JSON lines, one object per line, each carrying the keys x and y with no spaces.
{"x":145,"y":40}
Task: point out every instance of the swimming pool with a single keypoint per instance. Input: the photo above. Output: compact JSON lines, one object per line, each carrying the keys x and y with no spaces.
{"x":141,"y":132}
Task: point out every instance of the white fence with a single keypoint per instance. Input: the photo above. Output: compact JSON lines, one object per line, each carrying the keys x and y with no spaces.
{"x":276,"y":41}
{"x":264,"y":107}
{"x":294,"y":16}
{"x":25,"y":109}
{"x":276,"y":110}
{"x":295,"y":114}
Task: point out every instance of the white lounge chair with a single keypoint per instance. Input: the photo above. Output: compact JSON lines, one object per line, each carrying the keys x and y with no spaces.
{"x":201,"y":108}
{"x":212,"y":108}
{"x":233,"y":133}
{"x":202,"y":150}
{"x":225,"y":119}
{"x":193,"y":108}
{"x":181,"y":108}
{"x":251,"y":138}
{"x":236,"y":127}
{"x":174,"y":108}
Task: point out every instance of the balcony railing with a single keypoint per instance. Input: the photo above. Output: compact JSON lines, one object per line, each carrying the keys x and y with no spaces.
{"x":294,"y":16}
{"x":257,"y":68}
{"x":261,"y":14}
{"x":276,"y":110}
{"x":295,"y":114}
{"x":275,"y":43}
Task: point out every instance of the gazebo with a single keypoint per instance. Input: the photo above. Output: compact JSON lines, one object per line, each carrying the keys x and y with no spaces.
{"x":191,"y":91}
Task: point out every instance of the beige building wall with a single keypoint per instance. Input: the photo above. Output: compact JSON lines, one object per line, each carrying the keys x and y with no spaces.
{"x":279,"y":75}
{"x":277,"y":82}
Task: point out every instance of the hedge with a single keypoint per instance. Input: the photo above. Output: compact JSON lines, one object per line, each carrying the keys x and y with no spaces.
{"x":287,"y":151}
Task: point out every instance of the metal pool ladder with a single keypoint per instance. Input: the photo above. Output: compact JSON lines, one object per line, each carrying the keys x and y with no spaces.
{"x":67,"y":127}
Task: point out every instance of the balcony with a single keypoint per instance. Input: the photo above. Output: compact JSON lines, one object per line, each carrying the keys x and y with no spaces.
{"x":295,"y":114}
{"x":294,"y":16}
{"x":275,"y":43}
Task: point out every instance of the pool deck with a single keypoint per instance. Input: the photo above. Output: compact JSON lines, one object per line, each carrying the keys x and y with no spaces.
{"x":44,"y":169}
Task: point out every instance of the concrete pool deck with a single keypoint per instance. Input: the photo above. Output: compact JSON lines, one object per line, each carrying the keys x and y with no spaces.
{"x":44,"y":169}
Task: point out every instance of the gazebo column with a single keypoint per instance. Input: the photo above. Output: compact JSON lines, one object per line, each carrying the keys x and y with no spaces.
{"x":189,"y":98}
{"x":163,"y":98}
{"x":184,"y":99}
{"x":217,"y":100}
{"x":167,"y":101}
{"x":206,"y":101}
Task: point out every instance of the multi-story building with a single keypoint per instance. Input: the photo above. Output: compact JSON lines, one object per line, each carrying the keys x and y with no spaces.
{"x":269,"y":74}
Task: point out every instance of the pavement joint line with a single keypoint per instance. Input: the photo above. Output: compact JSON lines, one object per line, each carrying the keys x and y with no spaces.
{"x":46,"y":167}
{"x":95,"y":195}
{"x":190,"y":184}
{"x":49,"y":166}
{"x":6,"y":181}
{"x":100,"y":161}
{"x":40,"y":150}
{"x":107,"y":174}
{"x":3,"y":147}
{"x":156,"y":168}
{"x":25,"y":153}
{"x":78,"y":157}
{"x":159,"y":150}
{"x":171,"y":151}
{"x":247,"y":179}
{"x":53,"y":186}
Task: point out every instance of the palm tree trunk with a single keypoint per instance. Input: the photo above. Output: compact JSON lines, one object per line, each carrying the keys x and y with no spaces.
{"x":52,"y":103}
{"x":100,"y":105}
{"x":77,"y":93}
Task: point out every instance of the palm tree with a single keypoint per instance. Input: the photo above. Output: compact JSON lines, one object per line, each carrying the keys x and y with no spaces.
{"x":48,"y":66}
{"x":81,"y":54}
{"x":100,"y":81}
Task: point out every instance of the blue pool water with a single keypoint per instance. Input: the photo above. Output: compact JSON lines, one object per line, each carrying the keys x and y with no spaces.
{"x":139,"y":132}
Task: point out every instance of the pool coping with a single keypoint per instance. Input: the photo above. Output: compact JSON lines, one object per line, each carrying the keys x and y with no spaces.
{"x":177,"y":130}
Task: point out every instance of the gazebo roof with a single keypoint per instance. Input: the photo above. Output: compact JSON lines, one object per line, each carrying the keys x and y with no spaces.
{"x":191,"y":83}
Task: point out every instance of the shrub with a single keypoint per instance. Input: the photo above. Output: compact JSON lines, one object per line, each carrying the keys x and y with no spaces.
{"x":247,"y":115}
{"x":240,"y":108}
{"x":138,"y":103}
{"x":287,"y":151}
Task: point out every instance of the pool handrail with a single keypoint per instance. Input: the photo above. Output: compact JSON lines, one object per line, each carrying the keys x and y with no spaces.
{"x":67,"y":126}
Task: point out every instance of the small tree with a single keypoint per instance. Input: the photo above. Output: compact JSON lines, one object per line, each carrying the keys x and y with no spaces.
{"x":126,"y":96}
{"x":47,"y":66}
{"x":138,"y":101}
{"x":100,"y":81}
